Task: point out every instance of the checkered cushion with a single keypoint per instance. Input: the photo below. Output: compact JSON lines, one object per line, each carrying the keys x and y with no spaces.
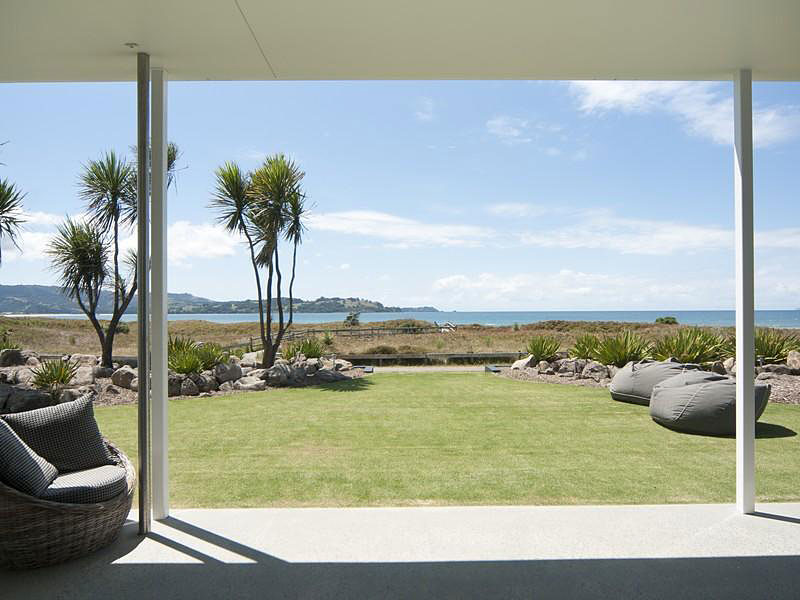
{"x":21,"y":467}
{"x":66,"y":435}
{"x":87,"y":487}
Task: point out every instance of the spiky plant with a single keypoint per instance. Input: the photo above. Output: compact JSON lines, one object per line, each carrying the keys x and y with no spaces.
{"x":10,"y":214}
{"x":543,"y":347}
{"x":54,"y":375}
{"x":619,"y":350}
{"x":691,"y":345}
{"x":585,"y":346}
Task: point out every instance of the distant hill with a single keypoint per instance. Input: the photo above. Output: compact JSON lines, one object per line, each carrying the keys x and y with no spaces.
{"x":48,"y":299}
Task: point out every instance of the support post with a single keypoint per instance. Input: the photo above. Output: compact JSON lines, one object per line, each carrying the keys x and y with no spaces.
{"x":142,"y":264}
{"x":158,"y":294}
{"x":745,"y":292}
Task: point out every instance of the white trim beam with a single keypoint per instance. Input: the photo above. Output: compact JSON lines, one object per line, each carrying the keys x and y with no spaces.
{"x":158,"y":294}
{"x":745,"y":292}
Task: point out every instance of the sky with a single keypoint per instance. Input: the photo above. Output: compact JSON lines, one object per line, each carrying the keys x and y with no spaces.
{"x":461,"y":195}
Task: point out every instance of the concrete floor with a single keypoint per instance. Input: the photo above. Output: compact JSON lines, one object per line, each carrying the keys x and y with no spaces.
{"x":674,"y":551}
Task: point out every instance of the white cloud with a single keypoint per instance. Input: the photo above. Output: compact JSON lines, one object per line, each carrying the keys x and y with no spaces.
{"x":704,"y":108}
{"x":516,"y":209}
{"x":189,"y":241}
{"x":399,"y":232}
{"x":509,"y":130}
{"x":344,"y":266}
{"x":425,"y":109}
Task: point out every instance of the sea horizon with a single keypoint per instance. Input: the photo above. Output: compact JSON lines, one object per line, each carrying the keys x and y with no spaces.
{"x":712,"y":318}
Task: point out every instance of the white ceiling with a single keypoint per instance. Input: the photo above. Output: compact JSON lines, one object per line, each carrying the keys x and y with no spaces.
{"x":58,"y":40}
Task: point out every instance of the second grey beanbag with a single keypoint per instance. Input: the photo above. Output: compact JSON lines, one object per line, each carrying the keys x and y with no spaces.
{"x":635,"y":381}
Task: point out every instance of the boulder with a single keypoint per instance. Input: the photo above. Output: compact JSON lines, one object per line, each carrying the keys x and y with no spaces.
{"x":32,"y":361}
{"x":312,"y":365}
{"x":229,"y":371}
{"x":260,"y":373}
{"x":729,"y":364}
{"x":123,"y":376}
{"x":135,"y":384}
{"x":204,"y":382}
{"x":522,"y":363}
{"x":246,"y":370}
{"x":189,"y":388}
{"x":594,"y":370}
{"x":11,"y":357}
{"x":278,"y":374}
{"x":326,"y":376}
{"x":226,"y":387}
{"x":69,"y":395}
{"x":84,"y":359}
{"x":543,"y":366}
{"x":23,"y":376}
{"x":16,"y":399}
{"x":251,"y":359}
{"x":174,"y":382}
{"x":612,"y":370}
{"x":83,"y":376}
{"x":793,"y":360}
{"x":766,"y":376}
{"x":342,"y":365}
{"x":102,"y":372}
{"x":204,"y":395}
{"x":250,"y":384}
{"x":570,"y":366}
{"x":778,"y":369}
{"x":718,"y":367}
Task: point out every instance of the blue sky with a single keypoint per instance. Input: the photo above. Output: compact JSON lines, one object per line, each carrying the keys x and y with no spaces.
{"x":461,"y":195}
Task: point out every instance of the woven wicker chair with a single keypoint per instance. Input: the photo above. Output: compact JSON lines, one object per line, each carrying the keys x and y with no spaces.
{"x":36,"y":532}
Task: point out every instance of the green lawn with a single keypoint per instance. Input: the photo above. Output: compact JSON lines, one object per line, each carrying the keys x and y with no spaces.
{"x":439,"y":438}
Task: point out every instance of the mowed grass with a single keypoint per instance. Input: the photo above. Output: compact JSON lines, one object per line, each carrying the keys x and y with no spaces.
{"x":444,"y":438}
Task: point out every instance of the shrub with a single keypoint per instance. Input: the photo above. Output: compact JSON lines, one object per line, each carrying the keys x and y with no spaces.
{"x":6,"y":343}
{"x":516,"y":326}
{"x":185,"y":361}
{"x":123,"y":328}
{"x":619,"y":350}
{"x":309,"y":347}
{"x":693,"y":345}
{"x":52,"y":375}
{"x":327,"y":339}
{"x":585,"y":346}
{"x":543,"y":347}
{"x":667,"y":320}
{"x":210,"y":354}
{"x":381,"y":349}
{"x":352,"y":320}
{"x":774,"y":345}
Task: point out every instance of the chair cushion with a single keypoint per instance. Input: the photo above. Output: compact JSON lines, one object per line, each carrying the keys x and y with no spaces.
{"x":66,"y":435}
{"x":21,"y":467}
{"x":87,"y":487}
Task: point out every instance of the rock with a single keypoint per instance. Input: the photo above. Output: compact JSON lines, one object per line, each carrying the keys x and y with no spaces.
{"x":594,"y":370}
{"x":778,"y":369}
{"x":69,"y":395}
{"x":793,"y":360}
{"x":189,"y":388}
{"x":570,"y":366}
{"x":23,"y":375}
{"x":260,"y":373}
{"x":111,"y":389}
{"x":226,"y":387}
{"x":250,"y":384}
{"x":174,"y":382}
{"x":522,"y":363}
{"x":204,"y":383}
{"x":550,"y":371}
{"x":278,"y":374}
{"x":16,"y":399}
{"x":251,"y":359}
{"x":246,"y":370}
{"x":765,"y":376}
{"x":204,"y":395}
{"x":312,"y":365}
{"x":612,"y":370}
{"x":543,"y":366}
{"x":33,"y":361}
{"x":11,"y":357}
{"x":327,"y":376}
{"x":135,"y":384}
{"x":102,"y":372}
{"x":229,"y":371}
{"x":123,"y":376}
{"x":718,"y":367}
{"x":342,"y":365}
{"x":83,"y":376}
{"x":730,"y":365}
{"x":84,"y":359}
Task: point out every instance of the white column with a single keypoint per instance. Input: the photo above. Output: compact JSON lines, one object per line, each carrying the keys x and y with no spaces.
{"x":745,"y":290}
{"x":158,"y":292}
{"x":142,"y":278}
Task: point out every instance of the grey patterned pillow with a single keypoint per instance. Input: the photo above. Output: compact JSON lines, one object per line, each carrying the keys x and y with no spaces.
{"x":21,"y":467}
{"x":66,"y":434}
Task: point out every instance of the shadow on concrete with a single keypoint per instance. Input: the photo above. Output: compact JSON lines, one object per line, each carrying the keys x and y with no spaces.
{"x":99,"y":576}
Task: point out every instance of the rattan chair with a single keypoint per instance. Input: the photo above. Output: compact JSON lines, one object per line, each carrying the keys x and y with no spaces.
{"x":36,"y":533}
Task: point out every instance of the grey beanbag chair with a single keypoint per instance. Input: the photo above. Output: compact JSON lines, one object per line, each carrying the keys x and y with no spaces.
{"x":635,"y":381}
{"x":701,"y":403}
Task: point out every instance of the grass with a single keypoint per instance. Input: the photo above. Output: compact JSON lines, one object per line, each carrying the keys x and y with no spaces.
{"x":439,"y":439}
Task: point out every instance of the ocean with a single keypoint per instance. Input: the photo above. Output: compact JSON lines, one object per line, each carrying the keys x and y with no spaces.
{"x":719,"y":318}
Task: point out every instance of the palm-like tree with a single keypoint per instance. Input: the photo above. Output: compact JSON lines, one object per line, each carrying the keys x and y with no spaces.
{"x":234,"y":212}
{"x":273,"y":188}
{"x":10,"y":214}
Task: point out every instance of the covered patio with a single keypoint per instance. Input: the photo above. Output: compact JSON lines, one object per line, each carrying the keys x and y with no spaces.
{"x":740,"y":550}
